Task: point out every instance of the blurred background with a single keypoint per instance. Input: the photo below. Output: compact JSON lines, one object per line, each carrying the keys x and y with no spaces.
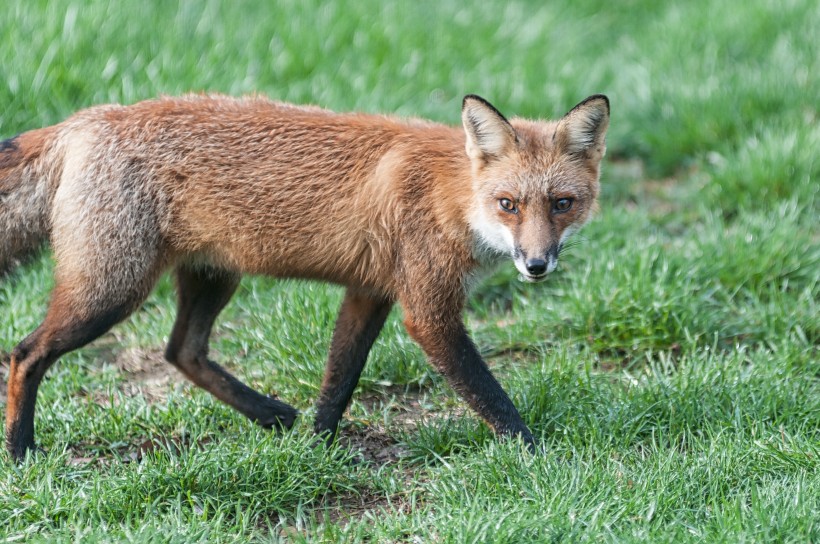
{"x":691,"y":81}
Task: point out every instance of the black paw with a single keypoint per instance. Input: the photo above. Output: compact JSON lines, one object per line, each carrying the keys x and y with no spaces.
{"x":275,"y":414}
{"x":19,"y":453}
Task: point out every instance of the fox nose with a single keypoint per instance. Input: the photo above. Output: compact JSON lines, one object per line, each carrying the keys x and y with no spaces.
{"x":536,"y":267}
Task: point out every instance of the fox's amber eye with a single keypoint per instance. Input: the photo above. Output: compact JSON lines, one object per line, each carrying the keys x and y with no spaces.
{"x":563,"y":204}
{"x":507,"y":205}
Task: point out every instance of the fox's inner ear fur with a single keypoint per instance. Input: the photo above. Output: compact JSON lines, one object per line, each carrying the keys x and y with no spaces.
{"x":489,"y":134}
{"x":583,"y":129}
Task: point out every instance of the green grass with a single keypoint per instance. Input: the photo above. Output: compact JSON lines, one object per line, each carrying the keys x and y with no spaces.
{"x":670,"y":368}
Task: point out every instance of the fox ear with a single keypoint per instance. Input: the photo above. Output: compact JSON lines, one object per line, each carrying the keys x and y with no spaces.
{"x":489,"y":134}
{"x":583,"y":129}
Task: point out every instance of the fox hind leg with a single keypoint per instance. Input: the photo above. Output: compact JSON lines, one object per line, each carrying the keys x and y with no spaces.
{"x":72,"y":321}
{"x":203,"y":293}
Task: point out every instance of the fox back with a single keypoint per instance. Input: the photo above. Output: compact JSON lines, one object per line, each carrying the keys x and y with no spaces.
{"x":259,"y":187}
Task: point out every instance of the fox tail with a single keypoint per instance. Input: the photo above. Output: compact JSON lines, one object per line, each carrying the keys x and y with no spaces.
{"x":25,"y":193}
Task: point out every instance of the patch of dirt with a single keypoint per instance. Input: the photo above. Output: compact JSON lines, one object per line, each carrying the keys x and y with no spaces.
{"x":373,"y":444}
{"x":130,"y":453}
{"x":351,"y":506}
{"x":387,"y":409}
{"x":148,"y":373}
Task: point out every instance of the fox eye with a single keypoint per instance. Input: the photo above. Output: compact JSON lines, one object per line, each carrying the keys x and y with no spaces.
{"x":508,"y":205}
{"x":563,"y":204}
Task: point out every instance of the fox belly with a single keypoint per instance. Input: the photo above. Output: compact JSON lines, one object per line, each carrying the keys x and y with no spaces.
{"x":308,"y":240}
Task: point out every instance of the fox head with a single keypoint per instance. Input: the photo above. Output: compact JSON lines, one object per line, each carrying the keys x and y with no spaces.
{"x":535,"y":183}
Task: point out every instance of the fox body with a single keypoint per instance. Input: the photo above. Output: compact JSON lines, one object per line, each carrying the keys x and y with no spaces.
{"x":397,"y":211}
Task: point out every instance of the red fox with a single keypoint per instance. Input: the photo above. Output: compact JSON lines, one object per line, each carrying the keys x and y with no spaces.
{"x":397,"y":211}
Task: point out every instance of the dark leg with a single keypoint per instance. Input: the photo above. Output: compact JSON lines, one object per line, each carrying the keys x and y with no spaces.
{"x":69,"y":324}
{"x":452,"y":353}
{"x":360,"y":320}
{"x":203,"y":292}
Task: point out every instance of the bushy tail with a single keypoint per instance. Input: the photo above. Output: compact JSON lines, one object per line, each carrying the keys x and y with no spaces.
{"x":25,"y":175}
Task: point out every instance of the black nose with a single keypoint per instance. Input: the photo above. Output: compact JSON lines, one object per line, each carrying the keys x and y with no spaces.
{"x":536,"y":267}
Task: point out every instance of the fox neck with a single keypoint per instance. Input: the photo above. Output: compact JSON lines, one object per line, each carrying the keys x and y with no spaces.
{"x":457,"y":209}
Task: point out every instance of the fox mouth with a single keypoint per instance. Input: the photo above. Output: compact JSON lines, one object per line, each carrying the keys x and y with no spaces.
{"x":529,"y":278}
{"x":536,"y":269}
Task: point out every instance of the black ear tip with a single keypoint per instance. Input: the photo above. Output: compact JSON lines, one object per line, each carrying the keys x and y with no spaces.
{"x":484,"y":103}
{"x":471,"y":97}
{"x":598,"y":98}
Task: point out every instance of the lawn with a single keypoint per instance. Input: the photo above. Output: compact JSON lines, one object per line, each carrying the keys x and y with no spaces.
{"x":670,"y":367}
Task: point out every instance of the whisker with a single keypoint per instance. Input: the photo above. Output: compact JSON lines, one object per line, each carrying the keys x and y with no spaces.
{"x":570,"y":244}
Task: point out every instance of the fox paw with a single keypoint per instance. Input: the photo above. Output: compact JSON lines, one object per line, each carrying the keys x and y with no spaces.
{"x":275,"y":414}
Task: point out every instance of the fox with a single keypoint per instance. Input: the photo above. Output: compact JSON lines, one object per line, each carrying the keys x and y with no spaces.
{"x":394,"y":210}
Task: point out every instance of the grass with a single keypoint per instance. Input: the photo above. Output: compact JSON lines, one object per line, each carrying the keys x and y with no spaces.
{"x":670,"y":367}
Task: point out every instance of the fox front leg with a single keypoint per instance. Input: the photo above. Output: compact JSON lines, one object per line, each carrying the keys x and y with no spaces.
{"x":451,"y":352}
